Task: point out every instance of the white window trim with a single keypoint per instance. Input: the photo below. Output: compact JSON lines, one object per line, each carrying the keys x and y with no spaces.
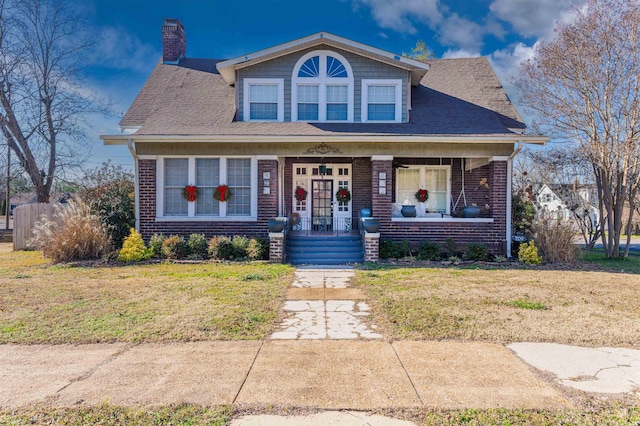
{"x":245,"y":105}
{"x":323,"y":81}
{"x":191,"y":207}
{"x":422,"y":180}
{"x":364,"y":108}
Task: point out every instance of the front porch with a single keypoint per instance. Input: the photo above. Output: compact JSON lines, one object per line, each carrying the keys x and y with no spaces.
{"x":383,"y":184}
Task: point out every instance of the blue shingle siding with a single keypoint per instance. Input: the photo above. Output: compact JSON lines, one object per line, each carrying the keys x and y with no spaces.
{"x":282,"y":67}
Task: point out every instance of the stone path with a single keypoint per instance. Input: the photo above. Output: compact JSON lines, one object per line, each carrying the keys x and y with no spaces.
{"x":321,"y":305}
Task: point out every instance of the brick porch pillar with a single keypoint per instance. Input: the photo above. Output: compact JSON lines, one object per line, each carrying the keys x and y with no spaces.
{"x":267,"y":188}
{"x":276,"y":247}
{"x":381,"y":197}
{"x":498,"y":198}
{"x":371,"y":249}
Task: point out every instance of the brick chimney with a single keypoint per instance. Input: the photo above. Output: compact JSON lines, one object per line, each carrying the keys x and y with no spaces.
{"x":174,"y":42}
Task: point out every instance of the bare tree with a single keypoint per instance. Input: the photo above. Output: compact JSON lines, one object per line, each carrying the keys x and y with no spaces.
{"x":584,"y":86}
{"x":43,"y":100}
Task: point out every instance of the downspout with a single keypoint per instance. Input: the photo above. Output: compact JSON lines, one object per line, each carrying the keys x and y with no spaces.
{"x":510,"y":196}
{"x":136,"y":193}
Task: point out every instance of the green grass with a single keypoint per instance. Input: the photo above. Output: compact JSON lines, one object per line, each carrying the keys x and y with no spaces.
{"x":505,"y":305}
{"x":526,"y":304}
{"x":183,"y":414}
{"x":137,"y":303}
{"x":630,"y":265}
{"x":186,"y":414}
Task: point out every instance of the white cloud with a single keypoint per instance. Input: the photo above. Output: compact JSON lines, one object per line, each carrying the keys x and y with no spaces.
{"x":461,"y":32}
{"x":460,"y":53}
{"x":532,"y":18}
{"x":117,"y":48}
{"x":506,"y":62}
{"x":399,"y":15}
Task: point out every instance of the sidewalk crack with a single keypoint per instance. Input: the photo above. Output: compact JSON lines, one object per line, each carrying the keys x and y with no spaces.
{"x":248,"y":372}
{"x":92,"y":370}
{"x":407,"y":373}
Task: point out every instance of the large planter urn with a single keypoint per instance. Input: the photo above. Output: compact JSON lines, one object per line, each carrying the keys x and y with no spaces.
{"x":276,"y":225}
{"x":371,"y":225}
{"x":408,"y":210}
{"x":365,"y":212}
{"x":470,"y":211}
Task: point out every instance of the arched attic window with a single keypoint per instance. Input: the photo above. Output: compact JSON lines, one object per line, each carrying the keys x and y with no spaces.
{"x":322,"y":88}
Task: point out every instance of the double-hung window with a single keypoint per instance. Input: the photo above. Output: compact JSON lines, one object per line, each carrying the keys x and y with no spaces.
{"x":239,"y":174}
{"x":382,"y":100}
{"x":435,"y":179}
{"x":322,"y":88}
{"x":263,"y":99}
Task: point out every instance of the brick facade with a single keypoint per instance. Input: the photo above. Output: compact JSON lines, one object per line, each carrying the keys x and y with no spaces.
{"x":365,"y":194}
{"x":267,"y":208}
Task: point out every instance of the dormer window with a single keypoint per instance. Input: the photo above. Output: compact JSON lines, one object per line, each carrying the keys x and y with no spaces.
{"x":322,"y":88}
{"x":263,"y":99}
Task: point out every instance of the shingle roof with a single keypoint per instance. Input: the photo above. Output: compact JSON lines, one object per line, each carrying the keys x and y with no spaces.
{"x":456,"y":97}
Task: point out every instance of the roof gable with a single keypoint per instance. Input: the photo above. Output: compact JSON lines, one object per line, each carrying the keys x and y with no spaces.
{"x":227,"y":68}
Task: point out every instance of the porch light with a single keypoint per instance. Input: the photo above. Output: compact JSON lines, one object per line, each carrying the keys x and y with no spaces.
{"x":323,"y":169}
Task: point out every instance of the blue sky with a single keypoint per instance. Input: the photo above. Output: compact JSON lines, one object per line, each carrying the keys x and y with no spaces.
{"x":130,"y":40}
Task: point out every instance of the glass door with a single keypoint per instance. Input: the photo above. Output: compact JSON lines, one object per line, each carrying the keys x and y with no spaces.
{"x":322,"y":205}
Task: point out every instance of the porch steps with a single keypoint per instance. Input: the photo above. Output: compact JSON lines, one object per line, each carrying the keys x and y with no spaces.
{"x":323,"y":250}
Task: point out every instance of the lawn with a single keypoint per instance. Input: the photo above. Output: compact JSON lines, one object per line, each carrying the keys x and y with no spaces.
{"x":186,"y":414}
{"x":40,"y":303}
{"x":591,"y":308}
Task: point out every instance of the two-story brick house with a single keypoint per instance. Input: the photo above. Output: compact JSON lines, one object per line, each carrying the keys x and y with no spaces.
{"x":323,"y":113}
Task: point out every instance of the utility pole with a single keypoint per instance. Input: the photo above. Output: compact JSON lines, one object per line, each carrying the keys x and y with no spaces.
{"x":7,"y":209}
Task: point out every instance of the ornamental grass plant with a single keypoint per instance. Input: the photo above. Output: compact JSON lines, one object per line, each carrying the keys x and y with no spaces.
{"x":72,"y":233}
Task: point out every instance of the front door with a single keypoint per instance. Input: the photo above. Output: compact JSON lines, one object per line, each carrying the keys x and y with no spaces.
{"x":320,"y":209}
{"x":322,"y":205}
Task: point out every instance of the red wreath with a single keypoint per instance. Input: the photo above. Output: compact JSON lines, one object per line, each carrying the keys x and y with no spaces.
{"x":301,"y":194}
{"x":343,"y":195}
{"x":222,"y":193}
{"x":190,"y":193}
{"x":422,"y":195}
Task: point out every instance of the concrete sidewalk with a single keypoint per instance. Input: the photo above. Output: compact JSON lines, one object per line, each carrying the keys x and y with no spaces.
{"x":328,"y":374}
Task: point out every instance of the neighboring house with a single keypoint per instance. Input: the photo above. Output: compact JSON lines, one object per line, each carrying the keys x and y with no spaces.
{"x":561,"y":200}
{"x":323,"y":113}
{"x":22,"y":198}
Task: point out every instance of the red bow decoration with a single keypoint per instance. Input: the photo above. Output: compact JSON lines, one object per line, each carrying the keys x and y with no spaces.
{"x":301,"y":194}
{"x":223,"y":192}
{"x":192,"y":192}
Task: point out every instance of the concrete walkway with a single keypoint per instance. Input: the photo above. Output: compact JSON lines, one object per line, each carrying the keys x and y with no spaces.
{"x":322,"y":305}
{"x":327,"y":374}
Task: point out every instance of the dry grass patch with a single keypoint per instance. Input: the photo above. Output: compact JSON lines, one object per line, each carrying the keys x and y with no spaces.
{"x":138,"y":303}
{"x":572,"y":307}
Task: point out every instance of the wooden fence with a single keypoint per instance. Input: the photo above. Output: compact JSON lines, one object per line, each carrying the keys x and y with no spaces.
{"x":24,"y":220}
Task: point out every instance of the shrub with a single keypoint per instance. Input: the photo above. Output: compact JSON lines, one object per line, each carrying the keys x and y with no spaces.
{"x":221,"y":248}
{"x":554,"y":238}
{"x":429,"y":250}
{"x":258,"y":249}
{"x":240,"y":246}
{"x":477,"y":252}
{"x":393,"y":250}
{"x":528,"y":253}
{"x":197,"y":245}
{"x":175,"y":247}
{"x":133,"y":248}
{"x":155,"y":244}
{"x":73,"y":233}
{"x":109,"y":192}
{"x":450,"y":247}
